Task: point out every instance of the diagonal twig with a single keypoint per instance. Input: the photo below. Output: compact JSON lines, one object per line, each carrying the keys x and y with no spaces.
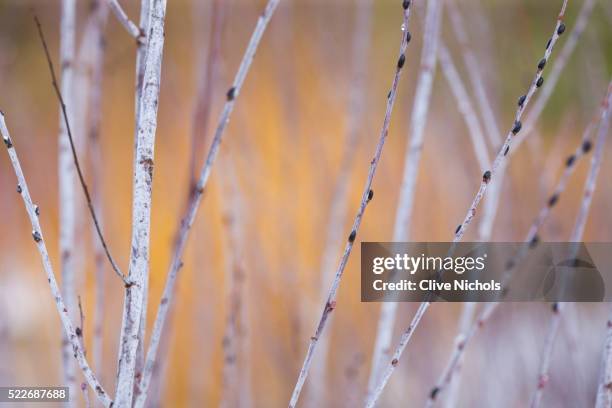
{"x":37,"y":234}
{"x":330,"y":303}
{"x":75,"y":158}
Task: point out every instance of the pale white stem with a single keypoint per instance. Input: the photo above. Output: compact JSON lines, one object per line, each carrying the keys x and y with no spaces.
{"x":464,"y":104}
{"x":340,"y":197}
{"x":555,"y":73}
{"x":196,"y":198}
{"x":141,"y":206}
{"x":604,"y":389}
{"x":474,"y":74}
{"x":576,"y":236}
{"x":125,"y":21}
{"x":61,"y":306}
{"x":414,"y":148}
{"x":67,"y":185}
{"x":487,"y":177}
{"x":141,"y":54}
{"x":91,"y":63}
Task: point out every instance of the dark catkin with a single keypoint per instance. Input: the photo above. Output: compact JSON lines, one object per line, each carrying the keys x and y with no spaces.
{"x":570,"y":160}
{"x":434,"y":392}
{"x":548,"y":43}
{"x":19,"y":189}
{"x":540,"y":82}
{"x":408,"y":36}
{"x":517,"y":127}
{"x":352,"y":236}
{"x":401,"y":61}
{"x":406,"y":4}
{"x":37,"y":210}
{"x":561,"y":29}
{"x":553,"y":200}
{"x":231,"y":93}
{"x":389,"y":95}
{"x":36,"y":235}
{"x":370,"y":195}
{"x":507,"y":150}
{"x":586,"y":146}
{"x":8,"y":143}
{"x":78,"y":331}
{"x":534,"y":241}
{"x":542,"y":64}
{"x":457,"y":229}
{"x":486,"y":177}
{"x":521,"y":100}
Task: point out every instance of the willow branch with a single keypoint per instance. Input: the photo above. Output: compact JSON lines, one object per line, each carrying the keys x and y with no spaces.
{"x":196,"y":197}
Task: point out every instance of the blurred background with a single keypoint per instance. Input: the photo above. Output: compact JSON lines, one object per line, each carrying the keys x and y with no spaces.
{"x":267,"y":207}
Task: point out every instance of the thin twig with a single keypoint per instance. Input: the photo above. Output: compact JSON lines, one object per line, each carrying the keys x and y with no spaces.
{"x":196,"y":197}
{"x":576,"y":236}
{"x":330,"y":303}
{"x":125,"y":21}
{"x":405,"y":206}
{"x":486,"y":179}
{"x":75,"y":159}
{"x":37,"y":235}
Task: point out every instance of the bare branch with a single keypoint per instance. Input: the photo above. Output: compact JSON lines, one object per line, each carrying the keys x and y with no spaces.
{"x":196,"y":198}
{"x":75,"y":158}
{"x":135,"y":305}
{"x":37,"y":235}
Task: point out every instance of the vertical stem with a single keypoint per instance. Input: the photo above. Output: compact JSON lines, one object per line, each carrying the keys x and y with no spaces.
{"x":135,"y":304}
{"x":67,"y":185}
